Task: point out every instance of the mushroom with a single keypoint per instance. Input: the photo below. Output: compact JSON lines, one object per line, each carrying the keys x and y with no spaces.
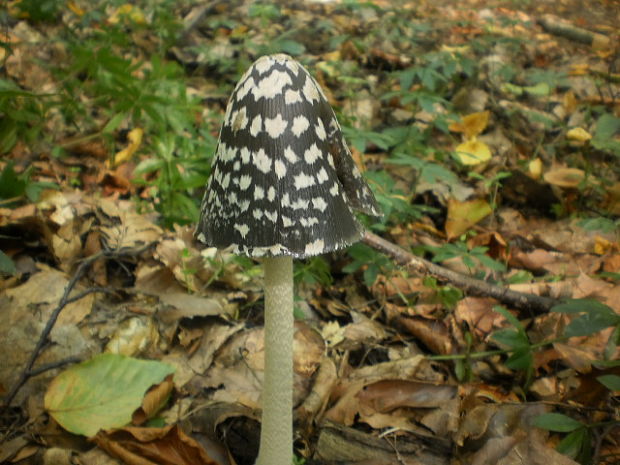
{"x":283,"y":185}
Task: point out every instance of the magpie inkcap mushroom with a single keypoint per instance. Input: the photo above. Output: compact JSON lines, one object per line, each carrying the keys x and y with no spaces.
{"x":283,"y":185}
{"x":283,"y":181}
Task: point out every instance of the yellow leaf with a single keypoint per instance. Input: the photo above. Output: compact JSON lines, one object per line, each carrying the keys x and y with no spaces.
{"x":135,"y":139}
{"x":463,"y":215}
{"x":535,"y":168}
{"x":75,"y":8}
{"x":569,"y":101}
{"x":473,"y":152}
{"x":127,"y":12}
{"x":578,"y":134}
{"x":580,"y":69}
{"x":565,"y":177}
{"x":471,"y":125}
{"x":602,"y":245}
{"x":462,"y":49}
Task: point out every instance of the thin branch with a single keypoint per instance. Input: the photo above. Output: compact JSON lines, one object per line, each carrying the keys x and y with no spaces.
{"x":514,"y":299}
{"x":28,"y":370}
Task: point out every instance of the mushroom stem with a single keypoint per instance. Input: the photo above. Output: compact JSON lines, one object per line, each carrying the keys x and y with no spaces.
{"x":276,"y":441}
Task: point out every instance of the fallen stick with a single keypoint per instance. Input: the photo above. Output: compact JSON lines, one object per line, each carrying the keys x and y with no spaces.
{"x":514,"y":299}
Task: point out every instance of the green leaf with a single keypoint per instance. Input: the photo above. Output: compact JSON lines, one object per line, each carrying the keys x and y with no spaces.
{"x":557,"y":422}
{"x":520,"y":359}
{"x":291,"y":47}
{"x":591,"y":323}
{"x":611,"y":382}
{"x":149,"y":165}
{"x":580,"y":305}
{"x":102,"y":392}
{"x":509,"y":316}
{"x":11,"y":184}
{"x":605,"y":135}
{"x":114,"y":123}
{"x":575,"y":443}
{"x":511,"y":338}
{"x":6,"y":264}
{"x":596,"y":317}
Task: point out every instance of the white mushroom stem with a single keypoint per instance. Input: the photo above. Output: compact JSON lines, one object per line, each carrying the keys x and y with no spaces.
{"x":276,"y":440}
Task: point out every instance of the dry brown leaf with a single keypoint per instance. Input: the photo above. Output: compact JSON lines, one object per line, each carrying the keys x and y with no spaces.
{"x":153,"y":446}
{"x":154,"y":400}
{"x":578,"y":357}
{"x":133,"y":337}
{"x":387,"y":395}
{"x":479,"y":315}
{"x":24,"y":311}
{"x":316,"y":401}
{"x":434,"y":334}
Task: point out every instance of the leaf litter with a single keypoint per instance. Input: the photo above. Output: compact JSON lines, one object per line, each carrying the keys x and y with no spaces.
{"x":379,"y":369}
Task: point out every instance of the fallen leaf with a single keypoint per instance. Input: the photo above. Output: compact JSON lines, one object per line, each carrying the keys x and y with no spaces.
{"x":578,"y":134}
{"x":471,"y":125}
{"x":472,"y":152}
{"x":102,"y":392}
{"x":463,"y":215}
{"x":565,"y":177}
{"x":153,"y":446}
{"x":135,"y":139}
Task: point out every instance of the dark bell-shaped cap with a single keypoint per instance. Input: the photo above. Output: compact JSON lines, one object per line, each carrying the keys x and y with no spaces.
{"x":283,"y":180}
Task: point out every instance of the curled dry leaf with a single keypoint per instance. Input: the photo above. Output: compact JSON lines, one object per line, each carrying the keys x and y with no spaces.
{"x":133,"y":337}
{"x":565,"y":177}
{"x":141,"y":446}
{"x":578,"y":134}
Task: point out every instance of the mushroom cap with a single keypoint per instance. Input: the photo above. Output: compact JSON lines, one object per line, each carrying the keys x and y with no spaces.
{"x":283,"y":181}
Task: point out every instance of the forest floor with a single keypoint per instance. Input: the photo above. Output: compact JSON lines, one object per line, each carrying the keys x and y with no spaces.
{"x":483,"y":330}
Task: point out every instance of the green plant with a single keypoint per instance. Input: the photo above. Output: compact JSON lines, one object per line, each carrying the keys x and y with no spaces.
{"x":176,"y":168}
{"x":6,"y":264}
{"x":577,"y":444}
{"x":517,"y":343}
{"x":605,"y":225}
{"x":22,"y":115}
{"x":39,"y":10}
{"x":470,"y":257}
{"x":15,"y":187}
{"x":361,"y":138}
{"x":367,"y":259}
{"x":447,"y":295}
{"x":314,"y":270}
{"x":491,"y":184}
{"x":605,"y":135}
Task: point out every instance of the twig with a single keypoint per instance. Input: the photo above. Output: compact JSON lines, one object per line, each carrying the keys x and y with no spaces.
{"x":562,"y":28}
{"x":50,"y":366}
{"x":519,"y":300}
{"x":28,"y":370}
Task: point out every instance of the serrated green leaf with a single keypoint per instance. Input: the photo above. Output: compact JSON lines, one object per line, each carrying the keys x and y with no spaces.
{"x":102,"y":392}
{"x":557,"y":422}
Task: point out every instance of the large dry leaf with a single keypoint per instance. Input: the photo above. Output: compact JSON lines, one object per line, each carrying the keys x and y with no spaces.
{"x":154,"y":446}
